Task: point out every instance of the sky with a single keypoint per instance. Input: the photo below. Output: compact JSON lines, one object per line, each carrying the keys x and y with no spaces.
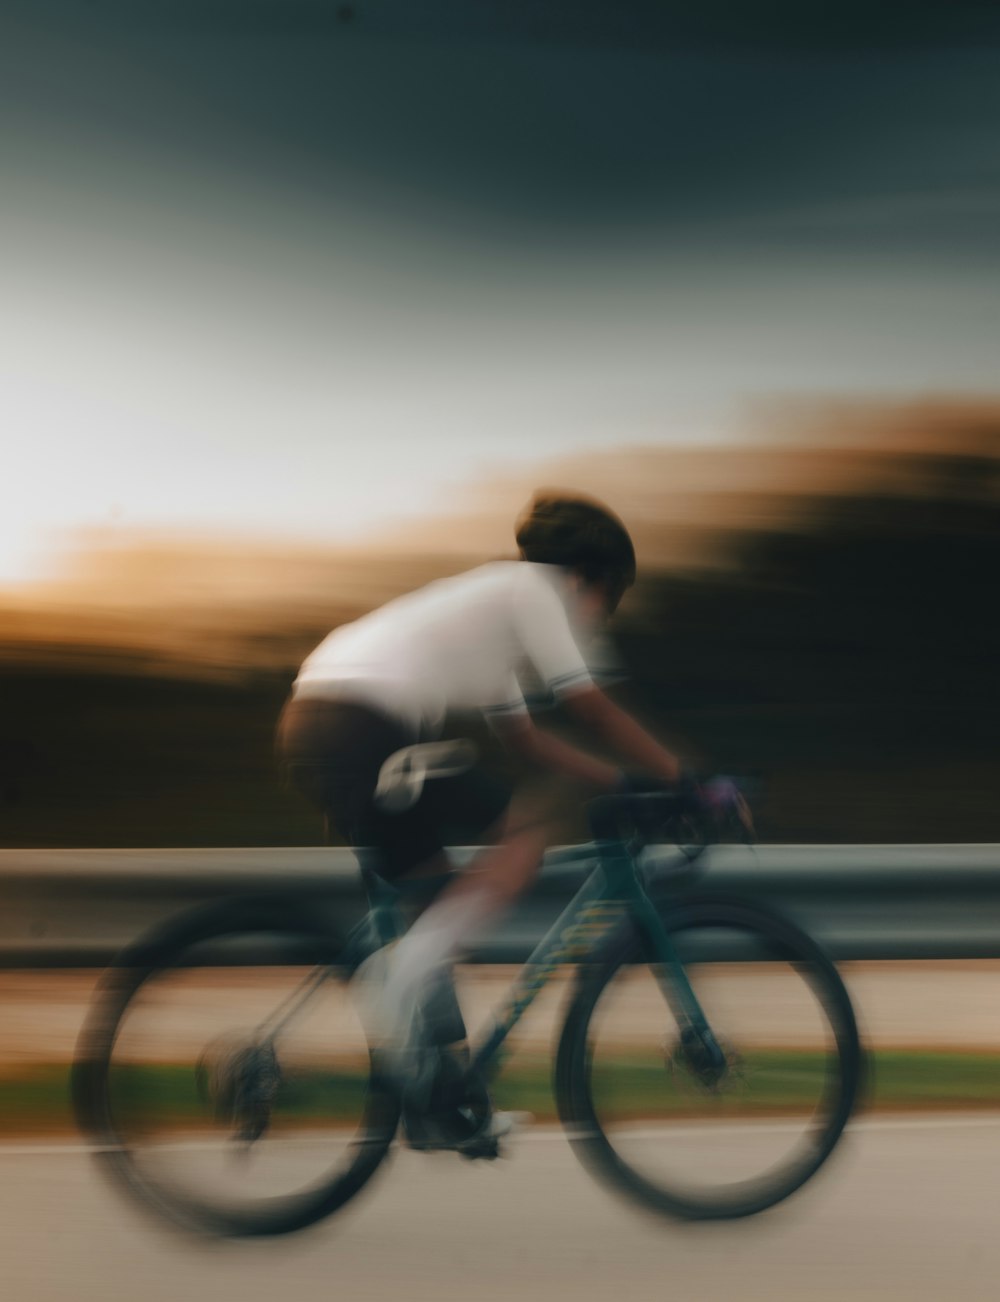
{"x":298,"y":269}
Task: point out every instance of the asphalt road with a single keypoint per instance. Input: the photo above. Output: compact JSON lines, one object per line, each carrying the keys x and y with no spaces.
{"x":908,"y":1209}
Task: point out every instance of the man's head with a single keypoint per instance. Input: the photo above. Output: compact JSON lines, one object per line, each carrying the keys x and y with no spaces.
{"x":582,"y":536}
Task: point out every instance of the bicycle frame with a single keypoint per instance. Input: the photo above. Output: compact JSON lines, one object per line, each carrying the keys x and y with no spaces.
{"x":612,"y":892}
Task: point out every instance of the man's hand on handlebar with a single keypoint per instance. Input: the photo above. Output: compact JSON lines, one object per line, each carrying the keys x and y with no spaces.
{"x":718,"y":801}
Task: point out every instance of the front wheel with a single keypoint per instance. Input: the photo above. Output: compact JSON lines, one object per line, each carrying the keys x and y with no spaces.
{"x":225,"y":1074}
{"x":716,"y":1127}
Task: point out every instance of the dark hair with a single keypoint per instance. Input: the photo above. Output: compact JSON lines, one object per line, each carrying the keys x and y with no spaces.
{"x":580,"y":534}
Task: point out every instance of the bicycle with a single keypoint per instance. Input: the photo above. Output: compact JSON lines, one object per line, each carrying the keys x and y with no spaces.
{"x":678,"y":1083}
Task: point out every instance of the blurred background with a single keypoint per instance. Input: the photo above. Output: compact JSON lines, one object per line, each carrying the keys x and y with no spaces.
{"x":302,"y":300}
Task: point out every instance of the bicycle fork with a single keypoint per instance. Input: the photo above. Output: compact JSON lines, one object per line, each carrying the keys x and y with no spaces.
{"x":698,"y":1042}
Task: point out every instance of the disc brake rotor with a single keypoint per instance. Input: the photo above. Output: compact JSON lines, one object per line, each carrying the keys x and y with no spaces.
{"x":694,"y":1065}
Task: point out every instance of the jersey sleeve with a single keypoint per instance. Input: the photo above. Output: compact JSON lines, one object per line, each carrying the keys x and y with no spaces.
{"x":542,"y":628}
{"x":509,"y":704}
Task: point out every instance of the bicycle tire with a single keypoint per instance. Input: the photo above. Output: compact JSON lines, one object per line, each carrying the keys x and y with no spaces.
{"x":170,"y":950}
{"x":606,"y":1152}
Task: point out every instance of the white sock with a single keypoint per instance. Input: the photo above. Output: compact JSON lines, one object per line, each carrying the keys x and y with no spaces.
{"x":433,"y":941}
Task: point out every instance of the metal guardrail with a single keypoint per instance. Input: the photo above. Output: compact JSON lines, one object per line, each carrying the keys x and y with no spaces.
{"x":77,"y":908}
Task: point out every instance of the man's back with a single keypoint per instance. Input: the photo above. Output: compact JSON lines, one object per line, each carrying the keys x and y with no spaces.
{"x":455,"y":644}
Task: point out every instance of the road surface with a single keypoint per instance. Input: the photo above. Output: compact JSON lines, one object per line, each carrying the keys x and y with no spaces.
{"x":909,"y":1210}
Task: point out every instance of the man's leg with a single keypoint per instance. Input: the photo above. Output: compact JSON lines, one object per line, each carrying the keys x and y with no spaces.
{"x":498,"y":876}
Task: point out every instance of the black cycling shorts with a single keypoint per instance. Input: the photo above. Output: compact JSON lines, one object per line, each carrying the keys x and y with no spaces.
{"x":333,"y":752}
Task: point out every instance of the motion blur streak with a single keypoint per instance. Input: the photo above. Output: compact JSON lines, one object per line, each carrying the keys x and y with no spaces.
{"x":812,"y":607}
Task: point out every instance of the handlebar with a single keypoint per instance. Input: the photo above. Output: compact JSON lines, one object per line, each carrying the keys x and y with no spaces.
{"x":691,"y":812}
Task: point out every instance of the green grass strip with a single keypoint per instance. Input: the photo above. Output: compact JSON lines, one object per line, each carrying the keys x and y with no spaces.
{"x":34,"y":1098}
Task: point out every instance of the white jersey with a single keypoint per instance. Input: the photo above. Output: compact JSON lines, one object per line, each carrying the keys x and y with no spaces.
{"x":459,"y":644}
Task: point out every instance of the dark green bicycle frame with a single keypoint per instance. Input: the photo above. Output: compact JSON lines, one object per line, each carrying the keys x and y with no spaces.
{"x":612,"y":892}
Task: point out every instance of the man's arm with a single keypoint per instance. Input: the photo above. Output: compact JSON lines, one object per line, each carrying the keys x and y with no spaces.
{"x":608,"y":723}
{"x":621,"y":733}
{"x":536,"y":746}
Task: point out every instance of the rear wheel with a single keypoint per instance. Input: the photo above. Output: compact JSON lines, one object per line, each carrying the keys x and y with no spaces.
{"x":208,"y":1105}
{"x":716,"y":1127}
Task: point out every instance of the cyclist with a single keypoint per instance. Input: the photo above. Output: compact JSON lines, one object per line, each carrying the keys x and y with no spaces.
{"x":386,"y":682}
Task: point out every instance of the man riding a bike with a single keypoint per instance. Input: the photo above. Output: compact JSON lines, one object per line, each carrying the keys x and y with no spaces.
{"x":376,"y":688}
{"x":281,"y":1101}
